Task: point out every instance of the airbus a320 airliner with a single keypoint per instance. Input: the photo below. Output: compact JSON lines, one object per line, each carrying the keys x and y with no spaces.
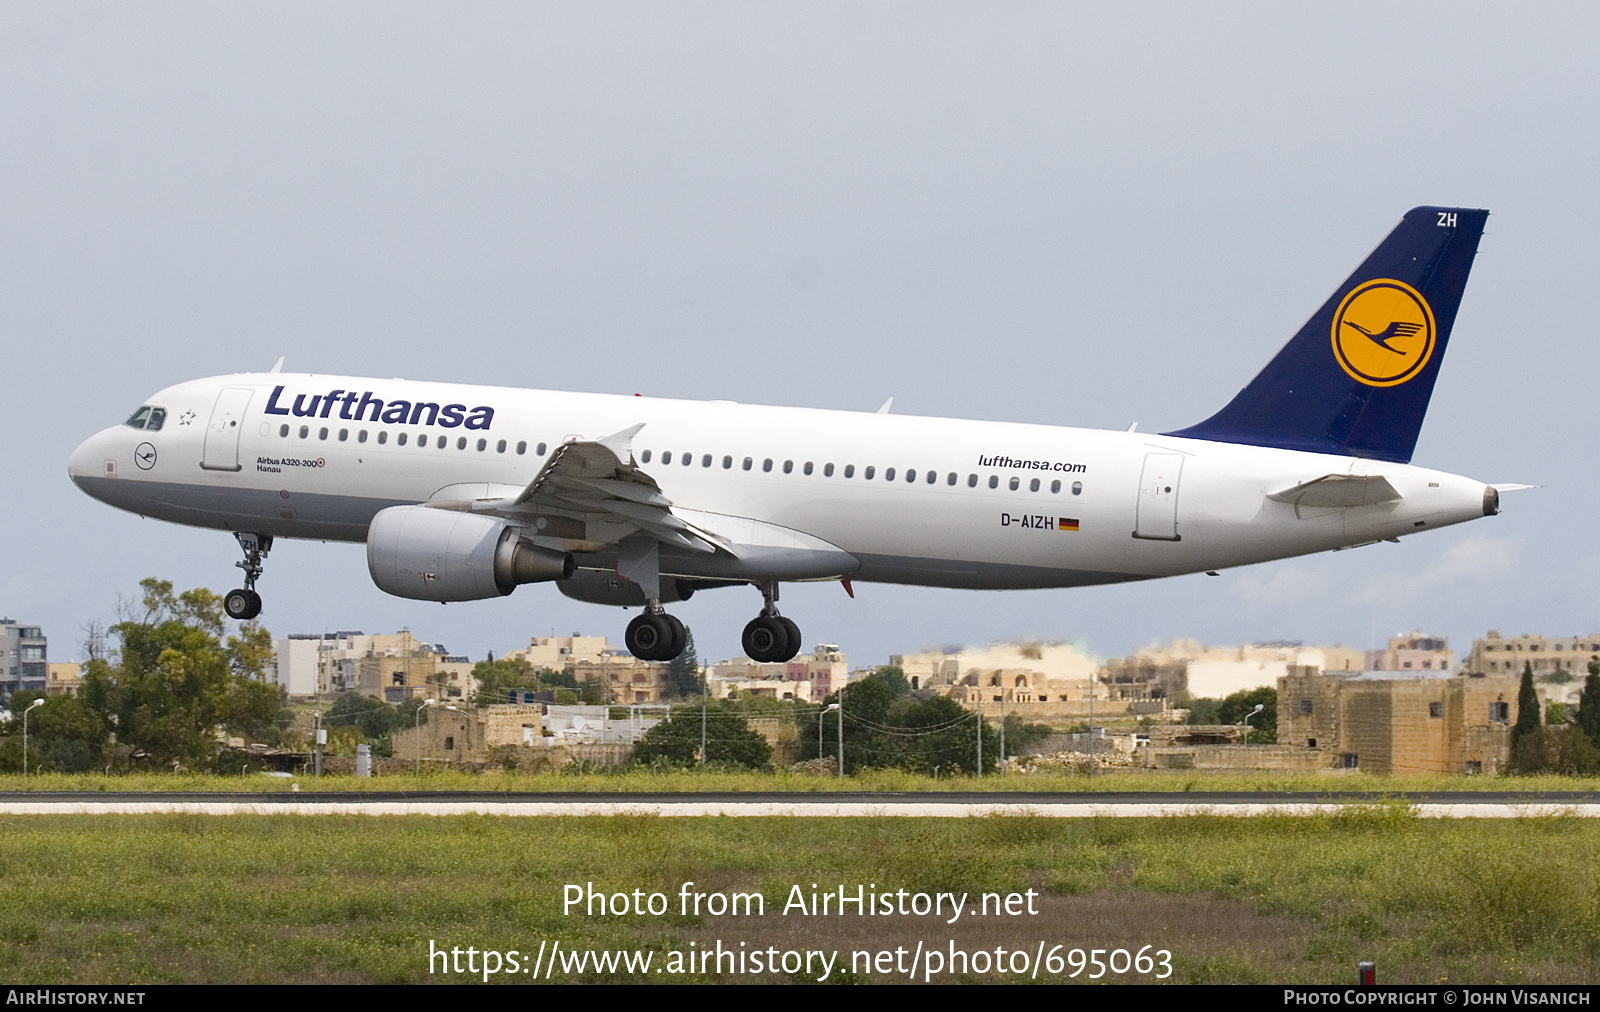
{"x":466,"y":492}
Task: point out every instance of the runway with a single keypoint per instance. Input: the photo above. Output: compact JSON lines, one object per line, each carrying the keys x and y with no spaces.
{"x":1451,"y":805}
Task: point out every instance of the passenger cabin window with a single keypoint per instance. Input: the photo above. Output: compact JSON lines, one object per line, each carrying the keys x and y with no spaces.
{"x":644,"y":458}
{"x":1055,"y":487}
{"x":361,"y":437}
{"x":1015,"y":483}
{"x":788,"y":467}
{"x":283,"y":430}
{"x":400,"y":440}
{"x":972,"y":481}
{"x":666,"y":458}
{"x":888,"y":473}
{"x":1033,"y":486}
{"x":868,"y":473}
{"x":538,"y":451}
{"x":705,"y":461}
{"x":747,"y":463}
{"x":305,"y":431}
{"x":522,"y":447}
{"x":994,"y":481}
{"x":807,"y":468}
{"x":500,"y":447}
{"x":849,"y":470}
{"x":383,"y":437}
{"x":727,"y":462}
{"x":766,"y":465}
{"x":1077,"y":488}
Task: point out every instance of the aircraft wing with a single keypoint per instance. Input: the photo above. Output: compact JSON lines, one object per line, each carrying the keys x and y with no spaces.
{"x":1338,"y":490}
{"x":591,"y":494}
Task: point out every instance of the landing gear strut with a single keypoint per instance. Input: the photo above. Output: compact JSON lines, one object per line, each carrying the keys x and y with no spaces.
{"x":245,"y":603}
{"x":655,"y":635}
{"x":770,"y":637}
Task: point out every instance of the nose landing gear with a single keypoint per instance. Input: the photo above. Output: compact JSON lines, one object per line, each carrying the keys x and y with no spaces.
{"x":770,"y":637}
{"x":245,"y":603}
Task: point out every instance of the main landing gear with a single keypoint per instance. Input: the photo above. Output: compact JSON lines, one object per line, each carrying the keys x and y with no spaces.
{"x":246,"y":603}
{"x":655,"y":635}
{"x":770,"y":637}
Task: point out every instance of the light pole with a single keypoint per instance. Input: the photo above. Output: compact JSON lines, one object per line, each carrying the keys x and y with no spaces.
{"x":1246,"y":739}
{"x":417,"y":726}
{"x":832,"y":707}
{"x":30,"y":709}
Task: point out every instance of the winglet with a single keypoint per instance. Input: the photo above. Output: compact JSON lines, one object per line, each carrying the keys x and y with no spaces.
{"x":278,"y":365}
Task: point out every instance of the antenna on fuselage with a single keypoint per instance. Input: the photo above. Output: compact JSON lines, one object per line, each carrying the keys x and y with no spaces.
{"x":885,"y":409}
{"x":278,"y":365}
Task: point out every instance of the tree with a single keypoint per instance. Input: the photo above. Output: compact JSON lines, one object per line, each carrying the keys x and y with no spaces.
{"x":683,"y":672}
{"x":1528,"y":709}
{"x":1589,"y":703}
{"x":497,"y":679}
{"x":63,"y":735}
{"x":728,"y":739}
{"x":1264,"y":725}
{"x":175,"y":682}
{"x":370,"y":716}
{"x":886,"y":726}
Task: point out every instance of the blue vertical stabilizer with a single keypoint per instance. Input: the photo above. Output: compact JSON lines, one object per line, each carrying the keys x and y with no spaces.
{"x":1357,"y":377}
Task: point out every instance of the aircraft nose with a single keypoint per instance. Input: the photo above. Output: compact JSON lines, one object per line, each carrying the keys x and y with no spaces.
{"x":94,"y":458}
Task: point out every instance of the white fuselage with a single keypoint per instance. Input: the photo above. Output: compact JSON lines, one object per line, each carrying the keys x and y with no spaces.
{"x":1088,"y":506}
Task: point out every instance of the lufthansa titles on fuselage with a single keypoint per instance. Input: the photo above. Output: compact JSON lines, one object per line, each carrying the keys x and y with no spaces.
{"x":353,"y":407}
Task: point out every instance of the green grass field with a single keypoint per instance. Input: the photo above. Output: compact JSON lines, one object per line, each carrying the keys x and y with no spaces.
{"x":239,"y":899}
{"x":637,"y":780}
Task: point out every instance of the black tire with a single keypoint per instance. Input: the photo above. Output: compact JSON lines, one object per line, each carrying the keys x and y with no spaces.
{"x":794,"y":638}
{"x":766,"y":640}
{"x":680,"y":637}
{"x":648,"y":637}
{"x":242,"y":604}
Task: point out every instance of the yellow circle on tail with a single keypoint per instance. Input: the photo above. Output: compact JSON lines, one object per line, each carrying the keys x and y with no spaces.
{"x":1383,"y":333}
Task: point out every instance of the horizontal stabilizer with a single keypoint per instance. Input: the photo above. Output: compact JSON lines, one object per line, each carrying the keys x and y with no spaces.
{"x":1340,"y":490}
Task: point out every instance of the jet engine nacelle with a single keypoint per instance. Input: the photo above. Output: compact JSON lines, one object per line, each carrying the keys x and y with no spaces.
{"x":430,"y":554}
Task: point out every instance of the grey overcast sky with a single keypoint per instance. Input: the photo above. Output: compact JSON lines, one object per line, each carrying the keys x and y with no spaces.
{"x":1075,"y":214}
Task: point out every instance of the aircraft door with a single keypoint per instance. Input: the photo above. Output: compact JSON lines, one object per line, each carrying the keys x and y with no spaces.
{"x":1157,"y":513}
{"x":222,"y":434}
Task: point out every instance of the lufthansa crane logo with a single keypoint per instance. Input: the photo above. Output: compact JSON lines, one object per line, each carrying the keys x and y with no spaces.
{"x":1383,"y":333}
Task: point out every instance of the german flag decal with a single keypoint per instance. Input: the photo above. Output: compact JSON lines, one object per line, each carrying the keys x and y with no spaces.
{"x":1065,"y":524}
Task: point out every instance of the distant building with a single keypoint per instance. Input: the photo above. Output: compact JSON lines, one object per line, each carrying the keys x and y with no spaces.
{"x":1495,"y":653}
{"x":1036,"y":681}
{"x":472,"y":735}
{"x":22,"y":658}
{"x":63,"y":679}
{"x":390,"y":667}
{"x":554,"y":653}
{"x":1199,"y":671}
{"x":1418,"y":721}
{"x":1413,"y":652}
{"x":809,"y":679}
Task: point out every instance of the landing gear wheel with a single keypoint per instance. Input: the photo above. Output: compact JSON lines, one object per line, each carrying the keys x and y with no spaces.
{"x":794,"y":638}
{"x":680,"y":637}
{"x":766,"y":639}
{"x":242,"y":604}
{"x":649,"y":637}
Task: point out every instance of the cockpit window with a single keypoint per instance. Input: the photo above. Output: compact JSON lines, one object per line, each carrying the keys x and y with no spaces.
{"x":148,"y":418}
